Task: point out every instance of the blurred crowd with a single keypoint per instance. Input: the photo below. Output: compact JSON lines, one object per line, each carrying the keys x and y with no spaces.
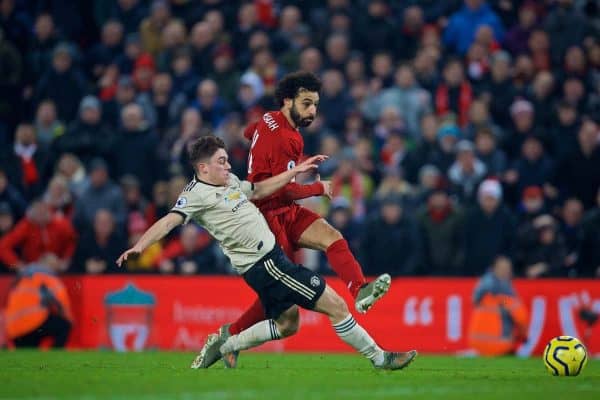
{"x":457,"y":131}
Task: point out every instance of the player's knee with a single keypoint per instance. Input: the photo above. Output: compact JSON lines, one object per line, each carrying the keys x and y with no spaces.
{"x":333,"y":236}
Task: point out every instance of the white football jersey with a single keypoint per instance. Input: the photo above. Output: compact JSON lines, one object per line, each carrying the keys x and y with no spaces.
{"x":230,"y":217}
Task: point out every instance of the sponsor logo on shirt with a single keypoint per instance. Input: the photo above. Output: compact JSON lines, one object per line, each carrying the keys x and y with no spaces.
{"x":181,"y":202}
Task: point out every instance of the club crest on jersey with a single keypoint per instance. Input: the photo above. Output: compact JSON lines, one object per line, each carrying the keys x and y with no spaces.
{"x":291,"y":164}
{"x":315,"y":281}
{"x":181,"y":202}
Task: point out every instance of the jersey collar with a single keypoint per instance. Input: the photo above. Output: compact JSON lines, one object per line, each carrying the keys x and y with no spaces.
{"x":206,"y":183}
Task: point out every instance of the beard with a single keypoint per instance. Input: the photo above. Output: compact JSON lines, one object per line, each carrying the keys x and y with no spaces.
{"x":298,"y":120}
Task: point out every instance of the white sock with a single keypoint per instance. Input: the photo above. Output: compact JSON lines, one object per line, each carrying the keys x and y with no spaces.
{"x":352,"y":333}
{"x":256,"y":335}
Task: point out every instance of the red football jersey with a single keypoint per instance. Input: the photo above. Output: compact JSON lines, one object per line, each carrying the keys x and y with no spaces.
{"x":276,"y":147}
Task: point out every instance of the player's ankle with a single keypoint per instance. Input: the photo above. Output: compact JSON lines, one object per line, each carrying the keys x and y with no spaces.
{"x":355,"y":286}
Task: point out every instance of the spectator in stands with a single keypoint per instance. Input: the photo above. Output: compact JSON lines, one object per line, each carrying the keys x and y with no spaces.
{"x":31,"y":159}
{"x":48,"y":127}
{"x":441,"y":225}
{"x":209,"y":103}
{"x":173,"y":40}
{"x":489,"y":228}
{"x":393,"y":183}
{"x":7,"y":218}
{"x":517,"y":37}
{"x":532,"y":168}
{"x":136,"y":149}
{"x":541,"y":249}
{"x":349,"y":182}
{"x":184,"y":78}
{"x":132,"y":51}
{"x":11,"y":195}
{"x":107,"y":51}
{"x":543,"y":99}
{"x":571,"y":230}
{"x":463,"y":25}
{"x":466,"y":172}
{"x":101,"y":193}
{"x":88,"y":137}
{"x":38,"y":233}
{"x":486,"y":149}
{"x":532,"y":204}
{"x":7,"y":222}
{"x":191,"y":253}
{"x":454,"y":94}
{"x":38,"y":305}
{"x":539,"y":50}
{"x":63,"y":83}
{"x":335,"y":102}
{"x":411,"y":100}
{"x":566,"y":27}
{"x":499,"y":89}
{"x":589,"y":262}
{"x":448,"y":135}
{"x":99,"y":247}
{"x":498,"y":323}
{"x":579,"y":175}
{"x":152,"y":26}
{"x":225,"y":73}
{"x":523,"y":117}
{"x":59,"y":198}
{"x":173,"y":148}
{"x":11,"y":72}
{"x":479,"y":118}
{"x":39,"y":55}
{"x":407,"y":42}
{"x":391,"y":241}
{"x":563,"y":132}
{"x":165,"y":105}
{"x":129,"y":12}
{"x":69,"y":167}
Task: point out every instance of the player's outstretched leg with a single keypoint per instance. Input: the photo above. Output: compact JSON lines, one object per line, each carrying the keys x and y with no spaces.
{"x":320,"y":235}
{"x":219,"y":346}
{"x":351,"y":332}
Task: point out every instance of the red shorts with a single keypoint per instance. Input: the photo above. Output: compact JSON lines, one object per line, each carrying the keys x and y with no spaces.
{"x":288,"y":223}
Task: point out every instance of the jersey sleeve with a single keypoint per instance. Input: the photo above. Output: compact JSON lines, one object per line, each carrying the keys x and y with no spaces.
{"x":245,"y":186}
{"x":188,"y":204}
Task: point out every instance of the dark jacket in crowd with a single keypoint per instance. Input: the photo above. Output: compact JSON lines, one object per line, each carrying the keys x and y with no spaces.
{"x":394,"y":249}
{"x":486,"y":236}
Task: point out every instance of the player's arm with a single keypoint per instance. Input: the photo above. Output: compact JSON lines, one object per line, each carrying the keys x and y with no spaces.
{"x":156,"y":232}
{"x":295,"y":191}
{"x":270,"y":185}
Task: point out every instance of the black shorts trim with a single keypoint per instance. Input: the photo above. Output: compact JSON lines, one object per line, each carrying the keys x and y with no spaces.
{"x":280,"y":284}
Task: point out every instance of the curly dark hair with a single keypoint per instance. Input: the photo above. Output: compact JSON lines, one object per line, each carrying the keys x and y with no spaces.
{"x":291,"y":84}
{"x":204,"y":148}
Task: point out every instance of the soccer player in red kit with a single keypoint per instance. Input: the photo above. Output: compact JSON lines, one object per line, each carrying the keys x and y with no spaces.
{"x":277,"y":146}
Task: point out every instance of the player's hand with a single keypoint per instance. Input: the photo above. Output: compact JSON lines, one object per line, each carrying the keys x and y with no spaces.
{"x":326,"y":187}
{"x":310,"y":163}
{"x":132,"y":252}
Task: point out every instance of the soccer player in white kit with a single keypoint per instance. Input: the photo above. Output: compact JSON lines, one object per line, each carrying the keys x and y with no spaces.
{"x":220,"y":202}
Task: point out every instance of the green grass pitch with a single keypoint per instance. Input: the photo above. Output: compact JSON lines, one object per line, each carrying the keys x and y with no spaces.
{"x":160,"y":375}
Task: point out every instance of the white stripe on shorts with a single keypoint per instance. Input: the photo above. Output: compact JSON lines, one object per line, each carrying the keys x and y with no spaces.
{"x":288,"y":280}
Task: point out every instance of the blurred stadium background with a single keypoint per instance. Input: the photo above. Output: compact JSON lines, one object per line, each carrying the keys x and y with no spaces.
{"x":458,"y":132}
